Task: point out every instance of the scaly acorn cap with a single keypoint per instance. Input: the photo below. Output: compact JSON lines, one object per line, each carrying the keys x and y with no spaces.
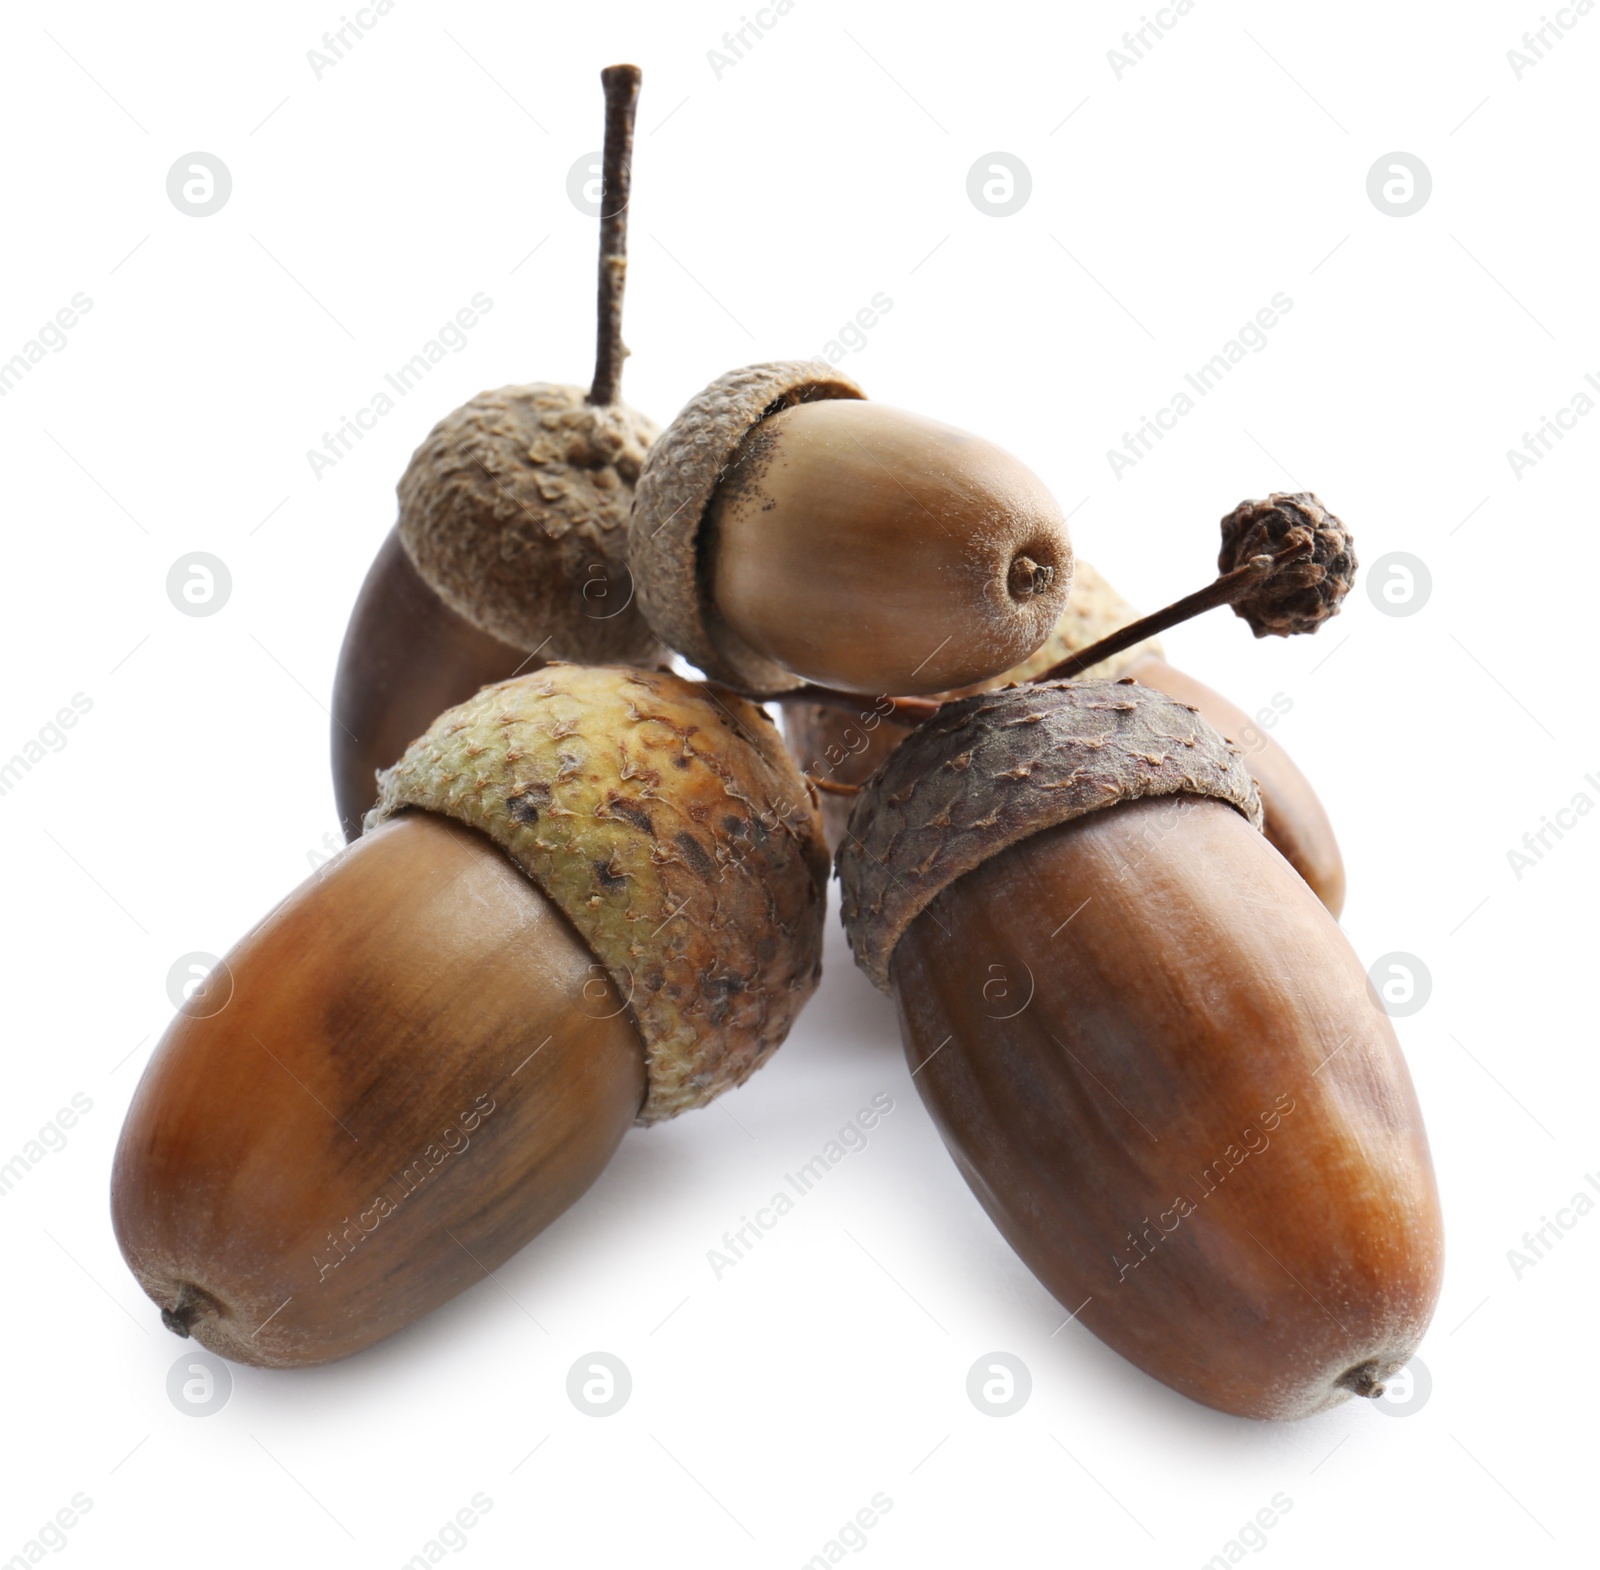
{"x":515,"y":511}
{"x":1301,"y":596}
{"x":681,"y":473}
{"x":995,"y":768}
{"x":671,"y":828}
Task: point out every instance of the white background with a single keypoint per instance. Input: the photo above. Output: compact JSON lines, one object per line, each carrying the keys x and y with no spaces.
{"x":770,"y":204}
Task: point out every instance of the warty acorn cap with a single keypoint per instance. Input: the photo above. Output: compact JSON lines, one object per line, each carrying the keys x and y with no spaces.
{"x":515,"y":511}
{"x":671,"y":828}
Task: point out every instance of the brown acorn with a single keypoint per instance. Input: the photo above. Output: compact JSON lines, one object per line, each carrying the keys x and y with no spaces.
{"x":839,"y":747}
{"x":785,"y":530}
{"x":511,"y":546}
{"x":1149,"y":1047}
{"x":587,"y":897}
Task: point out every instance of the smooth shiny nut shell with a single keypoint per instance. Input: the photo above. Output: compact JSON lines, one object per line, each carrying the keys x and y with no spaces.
{"x":868,"y":548}
{"x":1158,"y":1065}
{"x":417,"y":1071}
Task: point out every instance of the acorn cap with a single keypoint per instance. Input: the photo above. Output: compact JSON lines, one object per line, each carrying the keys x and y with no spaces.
{"x":671,"y":828}
{"x":669,"y":507}
{"x":515,"y":511}
{"x":1299,"y":596}
{"x":995,"y":768}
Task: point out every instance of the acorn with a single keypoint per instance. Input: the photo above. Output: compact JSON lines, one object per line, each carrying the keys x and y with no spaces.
{"x":786,"y":530}
{"x":839,"y":747}
{"x":1148,"y":1046}
{"x":511,"y":545}
{"x":586,"y":898}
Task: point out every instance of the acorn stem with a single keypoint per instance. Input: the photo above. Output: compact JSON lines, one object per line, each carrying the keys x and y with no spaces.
{"x":1027,"y":578}
{"x":1225,"y":590}
{"x":621,"y":83}
{"x":187,"y":1307}
{"x":1362,"y":1380}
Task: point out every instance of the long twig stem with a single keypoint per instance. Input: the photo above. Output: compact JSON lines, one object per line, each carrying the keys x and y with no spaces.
{"x":621,"y":84}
